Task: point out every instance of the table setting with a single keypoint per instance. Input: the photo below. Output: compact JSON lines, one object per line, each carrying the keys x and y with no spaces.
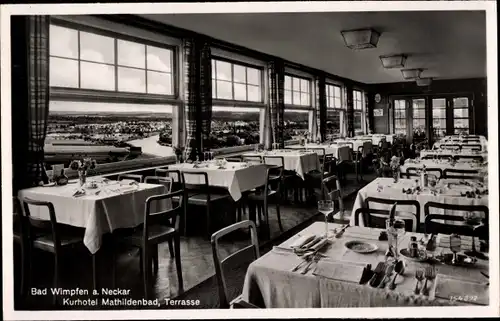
{"x":340,"y":152}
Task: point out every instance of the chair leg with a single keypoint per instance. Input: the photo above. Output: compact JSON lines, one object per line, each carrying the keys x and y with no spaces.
{"x":279,"y":216}
{"x":209,"y":228}
{"x":171,"y":249}
{"x":178,"y":267}
{"x":146,"y":267}
{"x":154,"y":257}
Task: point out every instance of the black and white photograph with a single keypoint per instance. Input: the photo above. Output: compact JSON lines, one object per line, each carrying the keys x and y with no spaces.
{"x":320,"y":157}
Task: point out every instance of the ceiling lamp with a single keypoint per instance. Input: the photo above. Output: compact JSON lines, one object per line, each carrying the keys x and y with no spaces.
{"x":421,"y":82}
{"x":395,"y":61}
{"x":360,"y":38}
{"x":411,"y":73}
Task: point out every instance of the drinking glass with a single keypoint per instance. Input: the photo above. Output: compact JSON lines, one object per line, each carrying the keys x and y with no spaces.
{"x":325,"y":207}
{"x":473,"y":221}
{"x":395,"y":231}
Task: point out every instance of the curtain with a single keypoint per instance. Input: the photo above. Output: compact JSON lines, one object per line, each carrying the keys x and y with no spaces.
{"x":321,"y":108}
{"x":350,"y":111}
{"x":30,"y":77}
{"x":276,"y":72}
{"x":198,"y":93}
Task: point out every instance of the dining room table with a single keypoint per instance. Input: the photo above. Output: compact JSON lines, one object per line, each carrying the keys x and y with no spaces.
{"x":337,"y":276}
{"x":355,"y":144}
{"x":99,"y":206}
{"x":447,"y":191}
{"x":443,"y":164}
{"x":340,"y":152}
{"x":463,"y":142}
{"x":236,"y":177}
{"x":299,"y":161}
{"x":453,"y":153}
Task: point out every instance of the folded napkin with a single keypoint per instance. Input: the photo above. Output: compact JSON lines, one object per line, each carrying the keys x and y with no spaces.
{"x":79,"y":192}
{"x":320,"y":244}
{"x":362,"y":233}
{"x":301,"y":241}
{"x":339,"y":271}
{"x":450,"y":288}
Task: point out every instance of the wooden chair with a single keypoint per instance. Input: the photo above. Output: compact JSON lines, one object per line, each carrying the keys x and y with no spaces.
{"x":162,"y":171}
{"x":233,"y":261}
{"x":472,"y":147}
{"x":174,"y":175}
{"x":332,"y":191}
{"x":157,"y":228}
{"x":437,"y":156}
{"x":413,"y":172}
{"x":251,"y":159}
{"x":135,"y":177}
{"x":376,"y":217}
{"x":357,"y":160}
{"x":478,"y":158}
{"x":461,"y":173}
{"x":265,"y":194}
{"x":437,"y":223}
{"x":200,"y":194}
{"x":454,"y":147}
{"x":48,"y":236}
{"x":289,"y":177}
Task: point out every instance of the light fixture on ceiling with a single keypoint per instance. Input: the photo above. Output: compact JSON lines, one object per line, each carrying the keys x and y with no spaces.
{"x":360,"y":38}
{"x":411,"y":73}
{"x":421,"y":82}
{"x":394,"y":61}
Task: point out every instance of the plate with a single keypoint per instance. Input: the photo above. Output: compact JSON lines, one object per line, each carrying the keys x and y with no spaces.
{"x":361,"y":247}
{"x":422,"y":256}
{"x":49,"y":184}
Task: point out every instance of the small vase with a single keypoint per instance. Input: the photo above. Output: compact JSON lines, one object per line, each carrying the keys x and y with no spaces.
{"x":82,"y":175}
{"x":395,"y":175}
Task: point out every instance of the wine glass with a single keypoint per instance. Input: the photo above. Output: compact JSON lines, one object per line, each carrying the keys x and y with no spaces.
{"x":473,"y":221}
{"x":325,"y":207}
{"x":395,"y":231}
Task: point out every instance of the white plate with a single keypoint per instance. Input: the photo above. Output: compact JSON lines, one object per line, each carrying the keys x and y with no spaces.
{"x":355,"y":246}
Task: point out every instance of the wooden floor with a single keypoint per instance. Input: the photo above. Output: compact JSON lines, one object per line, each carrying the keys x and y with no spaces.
{"x":196,"y":254}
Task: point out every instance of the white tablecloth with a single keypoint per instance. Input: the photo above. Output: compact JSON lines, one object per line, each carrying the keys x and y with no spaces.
{"x":342,"y":153}
{"x":237,"y":178}
{"x":376,"y":138}
{"x":450,"y":140}
{"x":391,"y":190}
{"x":442,"y":164}
{"x":356,"y":143}
{"x":437,"y":152}
{"x":116,"y":206}
{"x":300,"y":162}
{"x":270,"y":283}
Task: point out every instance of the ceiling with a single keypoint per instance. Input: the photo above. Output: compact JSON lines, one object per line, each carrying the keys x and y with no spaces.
{"x":448,"y":44}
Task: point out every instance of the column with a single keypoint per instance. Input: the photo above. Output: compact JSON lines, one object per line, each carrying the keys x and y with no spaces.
{"x":350,"y":110}
{"x":276,"y":108}
{"x":321,"y":108}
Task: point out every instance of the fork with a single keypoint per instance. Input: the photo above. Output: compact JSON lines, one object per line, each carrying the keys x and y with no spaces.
{"x":419,"y":275}
{"x":430,"y":274}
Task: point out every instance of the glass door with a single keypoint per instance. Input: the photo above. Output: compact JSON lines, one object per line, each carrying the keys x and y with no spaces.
{"x":461,"y":112}
{"x":438,"y":129}
{"x":419,"y":128}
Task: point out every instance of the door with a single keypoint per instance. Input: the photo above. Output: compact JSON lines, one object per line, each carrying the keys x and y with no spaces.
{"x":439,"y":123}
{"x":418,"y":129}
{"x":463,"y":114}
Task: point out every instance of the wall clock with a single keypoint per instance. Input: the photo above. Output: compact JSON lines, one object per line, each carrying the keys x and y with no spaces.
{"x":377,"y":98}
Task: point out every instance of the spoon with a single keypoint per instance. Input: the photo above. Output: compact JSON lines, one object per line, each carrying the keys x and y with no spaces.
{"x":399,"y":269}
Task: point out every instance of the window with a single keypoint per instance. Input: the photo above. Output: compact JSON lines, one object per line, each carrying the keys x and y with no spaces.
{"x":335,"y":112}
{"x":296,"y":123}
{"x":234,"y":126}
{"x":297,"y":91}
{"x":108,"y":130}
{"x":418,"y":118}
{"x":77,"y":56}
{"x":400,"y":117}
{"x":461,"y":115}
{"x":231,"y":81}
{"x":439,"y":117}
{"x":358,"y":111}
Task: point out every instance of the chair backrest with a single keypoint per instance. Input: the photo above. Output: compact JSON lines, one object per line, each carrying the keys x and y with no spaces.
{"x":135,"y":177}
{"x":168,"y":217}
{"x":160,"y":180}
{"x":329,"y":163}
{"x":250,"y":252}
{"x":461,"y":173}
{"x":469,"y":157}
{"x":251,"y":158}
{"x":196,"y":181}
{"x":377,"y":217}
{"x":274,"y":177}
{"x":161,"y":172}
{"x":332,"y":191}
{"x":451,"y":146}
{"x":475,"y":147}
{"x":437,"y":223}
{"x":413,"y":171}
{"x":274,"y":160}
{"x":437,"y":156}
{"x":174,"y":175}
{"x":320,"y":151}
{"x":32,"y":224}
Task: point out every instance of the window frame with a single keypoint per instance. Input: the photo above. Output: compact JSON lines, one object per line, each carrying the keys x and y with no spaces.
{"x":453,"y":108}
{"x":405,"y":118}
{"x":116,"y":96}
{"x":292,"y":105}
{"x":234,"y":102}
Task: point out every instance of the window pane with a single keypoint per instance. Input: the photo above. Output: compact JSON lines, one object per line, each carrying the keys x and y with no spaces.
{"x":159,"y":59}
{"x":240,"y":91}
{"x":133,"y":80}
{"x":288,"y":83}
{"x":418,"y":113}
{"x":213,"y":69}
{"x":333,"y":124}
{"x":438,"y":113}
{"x":63,"y":42}
{"x":97,"y":76}
{"x":461,"y":113}
{"x":460,"y":102}
{"x":239,"y":74}
{"x":97,"y":48}
{"x":400,"y":113}
{"x":337,"y":91}
{"x":304,"y":85}
{"x":63,"y":72}
{"x":296,"y":98}
{"x":441,"y":102}
{"x":357,"y":120}
{"x":461,"y":123}
{"x":243,"y":122}
{"x":214,"y":89}
{"x":288,"y":97}
{"x":223,"y":70}
{"x":253,"y":76}
{"x":338,"y":102}
{"x":254,"y":93}
{"x":131,"y":54}
{"x":160,"y":83}
{"x":439,"y":123}
{"x":304,"y":99}
{"x":224,"y":90}
{"x":461,"y":130}
{"x":296,"y":123}
{"x":418,"y":103}
{"x":419,"y":124}
{"x":296,"y":84}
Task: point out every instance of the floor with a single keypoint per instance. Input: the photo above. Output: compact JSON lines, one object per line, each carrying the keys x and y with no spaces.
{"x":196,"y":254}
